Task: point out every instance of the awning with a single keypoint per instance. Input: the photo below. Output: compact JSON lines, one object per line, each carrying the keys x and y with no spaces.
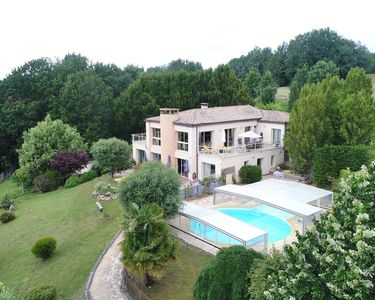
{"x":249,"y":134}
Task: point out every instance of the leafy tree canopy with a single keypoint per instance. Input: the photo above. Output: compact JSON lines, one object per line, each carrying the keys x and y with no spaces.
{"x":335,"y":258}
{"x":332,"y":112}
{"x":112,"y":153}
{"x":225,"y":275}
{"x":86,"y":103}
{"x":153,"y":183}
{"x":42,"y":142}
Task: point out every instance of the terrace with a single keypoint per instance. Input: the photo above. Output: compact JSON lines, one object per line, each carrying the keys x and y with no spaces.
{"x":139,"y":138}
{"x":237,"y":150}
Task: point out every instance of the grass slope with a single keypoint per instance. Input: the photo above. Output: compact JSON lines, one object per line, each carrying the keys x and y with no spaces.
{"x":71,"y":217}
{"x":180,"y":276}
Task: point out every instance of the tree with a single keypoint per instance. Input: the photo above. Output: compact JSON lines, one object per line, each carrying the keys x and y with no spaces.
{"x":225,"y":275}
{"x":332,"y":112}
{"x":310,"y":47}
{"x":86,"y":103}
{"x":259,"y":273}
{"x":67,"y":163}
{"x":153,"y":183}
{"x":321,"y":70}
{"x":335,"y":258}
{"x":252,"y":81}
{"x":113,"y":154}
{"x":267,"y":88}
{"x":149,"y":244}
{"x":42,"y":142}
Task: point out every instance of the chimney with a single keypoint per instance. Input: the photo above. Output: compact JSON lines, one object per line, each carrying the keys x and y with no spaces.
{"x":168,"y":135}
{"x":204,"y":105}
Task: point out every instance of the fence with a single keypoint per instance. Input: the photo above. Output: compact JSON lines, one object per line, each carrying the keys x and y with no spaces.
{"x":133,"y":289}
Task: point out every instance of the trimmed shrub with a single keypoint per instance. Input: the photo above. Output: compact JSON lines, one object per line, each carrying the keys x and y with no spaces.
{"x":330,"y":160}
{"x":87,"y":176}
{"x":6,"y":203}
{"x":46,"y":292}
{"x":72,"y":181}
{"x":7,"y":216}
{"x":225,"y":275}
{"x":49,"y":181}
{"x":44,"y":247}
{"x":250,"y":174}
{"x":75,"y":180}
{"x":152,"y":183}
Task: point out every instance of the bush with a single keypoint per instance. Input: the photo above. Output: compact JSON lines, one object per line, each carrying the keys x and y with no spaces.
{"x":75,"y":180}
{"x":97,"y":169}
{"x":250,"y":174}
{"x":153,"y":183}
{"x":72,"y":181}
{"x":6,"y":203}
{"x":44,"y":247}
{"x":7,"y":216}
{"x":87,"y":176}
{"x":225,"y":275}
{"x":49,"y":181}
{"x":330,"y":160}
{"x":46,"y":292}
{"x":5,"y":293}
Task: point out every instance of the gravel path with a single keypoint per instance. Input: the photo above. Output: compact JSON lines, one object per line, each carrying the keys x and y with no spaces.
{"x":106,"y":280}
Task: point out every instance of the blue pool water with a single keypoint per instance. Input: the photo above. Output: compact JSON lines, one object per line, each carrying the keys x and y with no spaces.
{"x":276,"y":227}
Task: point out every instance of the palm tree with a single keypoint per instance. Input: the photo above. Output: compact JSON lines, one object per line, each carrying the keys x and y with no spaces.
{"x":148,"y":245}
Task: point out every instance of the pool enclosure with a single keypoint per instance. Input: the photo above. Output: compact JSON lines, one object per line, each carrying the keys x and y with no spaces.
{"x":218,"y":228}
{"x":282,"y":198}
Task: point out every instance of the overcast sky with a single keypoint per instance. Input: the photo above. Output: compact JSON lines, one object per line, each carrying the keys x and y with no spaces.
{"x":154,"y":32}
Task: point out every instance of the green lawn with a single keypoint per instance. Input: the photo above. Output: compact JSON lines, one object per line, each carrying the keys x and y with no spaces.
{"x":180,"y":276}
{"x":69,"y":215}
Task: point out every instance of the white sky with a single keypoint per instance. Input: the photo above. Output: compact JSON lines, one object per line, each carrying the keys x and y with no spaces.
{"x":154,"y":32}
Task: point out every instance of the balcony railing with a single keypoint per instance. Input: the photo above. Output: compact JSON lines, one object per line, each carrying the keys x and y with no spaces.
{"x":139,"y":137}
{"x":238,"y":149}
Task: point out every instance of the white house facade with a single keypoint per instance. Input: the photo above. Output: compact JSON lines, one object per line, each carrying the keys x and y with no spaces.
{"x":215,"y":141}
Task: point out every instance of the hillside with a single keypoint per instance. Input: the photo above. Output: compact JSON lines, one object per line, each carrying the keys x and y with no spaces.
{"x":69,"y":215}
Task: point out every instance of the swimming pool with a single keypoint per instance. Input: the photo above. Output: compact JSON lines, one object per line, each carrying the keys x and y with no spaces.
{"x":276,"y":227}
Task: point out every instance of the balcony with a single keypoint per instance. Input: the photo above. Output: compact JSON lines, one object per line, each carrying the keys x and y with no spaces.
{"x":238,"y":150}
{"x":139,"y":138}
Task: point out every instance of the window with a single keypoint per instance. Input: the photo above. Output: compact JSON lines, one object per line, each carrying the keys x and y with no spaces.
{"x":272,"y":160}
{"x":259,"y":162}
{"x":208,"y":170}
{"x":246,"y":162}
{"x":183,"y":141}
{"x":247,"y":128}
{"x":156,"y":136}
{"x":141,"y":156}
{"x":276,"y":137}
{"x":229,"y":137}
{"x":156,"y":156}
{"x":182,"y":167}
{"x":205,"y":138}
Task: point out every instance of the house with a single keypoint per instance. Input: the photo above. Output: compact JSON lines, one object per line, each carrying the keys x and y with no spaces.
{"x":215,"y":141}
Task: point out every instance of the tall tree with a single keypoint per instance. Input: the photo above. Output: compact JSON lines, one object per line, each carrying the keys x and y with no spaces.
{"x":252,"y":81}
{"x":334,"y":112}
{"x":267,"y":88}
{"x":149,"y":244}
{"x":42,"y":142}
{"x":321,"y":70}
{"x":86,"y":103}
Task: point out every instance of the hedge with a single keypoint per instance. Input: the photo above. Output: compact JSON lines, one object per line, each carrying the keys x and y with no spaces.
{"x":330,"y":160}
{"x":250,"y":174}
